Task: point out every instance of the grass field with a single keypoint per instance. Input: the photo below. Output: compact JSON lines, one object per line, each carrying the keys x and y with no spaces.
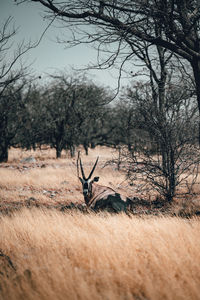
{"x":49,"y":254}
{"x":55,"y":181}
{"x":74,"y":256}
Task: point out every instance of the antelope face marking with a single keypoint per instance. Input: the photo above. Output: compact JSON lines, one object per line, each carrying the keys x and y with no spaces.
{"x":87,"y":188}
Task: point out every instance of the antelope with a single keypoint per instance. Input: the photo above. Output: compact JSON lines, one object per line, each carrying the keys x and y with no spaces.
{"x":97,"y":196}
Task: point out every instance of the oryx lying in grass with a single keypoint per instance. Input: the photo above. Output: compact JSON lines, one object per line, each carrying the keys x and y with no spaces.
{"x":100,"y":197}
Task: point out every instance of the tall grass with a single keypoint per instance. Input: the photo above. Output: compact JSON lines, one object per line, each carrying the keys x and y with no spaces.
{"x":77,"y":256}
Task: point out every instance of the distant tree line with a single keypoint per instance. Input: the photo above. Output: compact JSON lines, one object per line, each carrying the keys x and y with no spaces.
{"x":70,"y":111}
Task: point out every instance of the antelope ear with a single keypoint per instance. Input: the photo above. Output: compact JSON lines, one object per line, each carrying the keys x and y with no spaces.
{"x":81,"y":180}
{"x":96,"y":179}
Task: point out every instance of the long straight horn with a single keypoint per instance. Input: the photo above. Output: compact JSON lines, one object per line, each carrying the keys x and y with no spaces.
{"x":93,"y":168}
{"x":82,"y":172}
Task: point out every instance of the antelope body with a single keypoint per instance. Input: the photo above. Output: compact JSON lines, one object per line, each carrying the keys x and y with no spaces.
{"x":100,"y":197}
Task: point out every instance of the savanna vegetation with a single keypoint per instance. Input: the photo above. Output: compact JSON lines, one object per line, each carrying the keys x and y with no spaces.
{"x":154,"y":123}
{"x":51,"y":245}
{"x":48,"y":251}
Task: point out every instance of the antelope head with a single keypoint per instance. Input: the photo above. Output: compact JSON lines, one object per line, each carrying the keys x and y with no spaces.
{"x":86,"y":181}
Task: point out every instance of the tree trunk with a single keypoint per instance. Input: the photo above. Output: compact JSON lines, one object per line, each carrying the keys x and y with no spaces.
{"x":58,"y":151}
{"x":85,"y":146}
{"x":72,"y":151}
{"x":196,"y":70}
{"x":92,"y":145}
{"x":171,"y":178}
{"x":3,"y":153}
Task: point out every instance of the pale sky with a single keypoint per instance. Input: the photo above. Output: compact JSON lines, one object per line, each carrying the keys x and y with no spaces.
{"x":49,"y":56}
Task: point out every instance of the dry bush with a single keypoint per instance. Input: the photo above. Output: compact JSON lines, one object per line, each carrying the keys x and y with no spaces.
{"x":76,"y":256}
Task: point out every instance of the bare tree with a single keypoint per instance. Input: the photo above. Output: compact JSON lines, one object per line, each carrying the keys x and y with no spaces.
{"x":12,"y":81}
{"x":118,"y":27}
{"x":168,"y":159}
{"x":9,"y":56}
{"x":69,"y":112}
{"x":12,"y":111}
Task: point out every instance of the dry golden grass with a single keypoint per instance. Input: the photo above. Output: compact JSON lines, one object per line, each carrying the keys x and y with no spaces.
{"x":87,"y":256}
{"x":54,"y":181}
{"x":77,"y":256}
{"x":49,"y":155}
